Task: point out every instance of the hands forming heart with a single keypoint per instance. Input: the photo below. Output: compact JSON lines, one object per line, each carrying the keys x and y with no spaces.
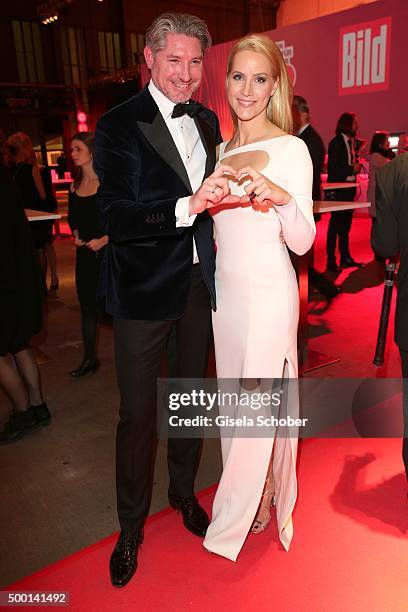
{"x":215,"y":190}
{"x":261,"y":190}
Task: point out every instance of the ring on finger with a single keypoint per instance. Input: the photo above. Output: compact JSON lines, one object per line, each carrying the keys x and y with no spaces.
{"x":252,"y":196}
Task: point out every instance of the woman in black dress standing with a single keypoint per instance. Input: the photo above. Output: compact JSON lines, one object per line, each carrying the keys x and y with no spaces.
{"x":20,"y":312}
{"x":27,"y":176}
{"x":83,"y":219}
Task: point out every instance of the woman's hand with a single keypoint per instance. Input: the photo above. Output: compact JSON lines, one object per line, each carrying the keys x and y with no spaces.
{"x":77,"y":241}
{"x":261,"y":190}
{"x":96,"y":244}
{"x":215,"y":190}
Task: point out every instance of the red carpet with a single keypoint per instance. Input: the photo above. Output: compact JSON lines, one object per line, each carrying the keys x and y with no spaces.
{"x":348,"y":328}
{"x":349,"y":551}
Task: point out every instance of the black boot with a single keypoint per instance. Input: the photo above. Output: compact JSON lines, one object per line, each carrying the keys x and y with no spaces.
{"x":42,"y":414}
{"x":349,"y":262}
{"x":19,"y":424}
{"x":332,"y":266}
{"x":88,"y":365}
{"x":323,"y":284}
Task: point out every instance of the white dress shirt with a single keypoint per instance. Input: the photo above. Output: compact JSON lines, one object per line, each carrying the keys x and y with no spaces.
{"x":185,"y":135}
{"x":302,"y":129}
{"x":350,"y":156}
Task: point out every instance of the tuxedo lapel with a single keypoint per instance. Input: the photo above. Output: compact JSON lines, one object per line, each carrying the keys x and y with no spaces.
{"x":158,"y":135}
{"x":207,"y":139}
{"x":155,"y":130}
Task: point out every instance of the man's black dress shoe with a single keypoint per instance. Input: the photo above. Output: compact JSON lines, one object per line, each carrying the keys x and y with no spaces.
{"x":333,"y":267}
{"x":331,"y":293}
{"x":88,"y":365}
{"x":350,"y":263}
{"x":195,"y":518}
{"x":123,"y":562}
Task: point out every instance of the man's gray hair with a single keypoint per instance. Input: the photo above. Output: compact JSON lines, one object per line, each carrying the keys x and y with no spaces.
{"x":301,"y":104}
{"x":176,"y":23}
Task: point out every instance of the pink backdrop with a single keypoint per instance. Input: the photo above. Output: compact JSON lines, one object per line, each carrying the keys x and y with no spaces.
{"x":316,"y":58}
{"x":314,"y":50}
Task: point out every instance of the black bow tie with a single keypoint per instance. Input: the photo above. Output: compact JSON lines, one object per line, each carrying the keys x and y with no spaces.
{"x":188,"y":108}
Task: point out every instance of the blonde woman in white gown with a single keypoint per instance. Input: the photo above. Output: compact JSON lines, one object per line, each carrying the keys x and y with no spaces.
{"x":255,"y":325}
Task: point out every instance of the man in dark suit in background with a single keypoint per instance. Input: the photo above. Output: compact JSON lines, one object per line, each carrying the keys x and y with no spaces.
{"x":389,"y":238}
{"x":152,"y":154}
{"x":342,"y":167}
{"x":304,"y":130}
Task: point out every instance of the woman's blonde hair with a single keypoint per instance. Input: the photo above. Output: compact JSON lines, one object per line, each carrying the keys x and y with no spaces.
{"x":279,"y":109}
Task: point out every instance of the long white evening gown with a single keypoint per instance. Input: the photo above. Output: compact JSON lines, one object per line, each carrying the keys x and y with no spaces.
{"x":255,"y":332}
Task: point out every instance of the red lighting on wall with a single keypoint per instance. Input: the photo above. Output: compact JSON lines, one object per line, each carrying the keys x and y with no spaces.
{"x":82,"y":120}
{"x":81,"y":117}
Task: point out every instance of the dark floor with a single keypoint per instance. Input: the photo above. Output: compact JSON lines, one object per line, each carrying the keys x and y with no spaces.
{"x":57,"y":484}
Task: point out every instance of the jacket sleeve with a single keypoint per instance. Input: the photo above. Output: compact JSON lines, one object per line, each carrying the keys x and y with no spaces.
{"x":384,"y":234}
{"x":317,"y":153}
{"x":125,"y":216}
{"x":218,"y":135}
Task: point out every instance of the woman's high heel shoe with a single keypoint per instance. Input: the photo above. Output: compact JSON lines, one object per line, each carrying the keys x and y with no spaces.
{"x":263,"y":515}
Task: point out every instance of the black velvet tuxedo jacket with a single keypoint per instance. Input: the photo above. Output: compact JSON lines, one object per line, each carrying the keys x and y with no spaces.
{"x":390,"y":233}
{"x":317,"y":151}
{"x":147,"y":264}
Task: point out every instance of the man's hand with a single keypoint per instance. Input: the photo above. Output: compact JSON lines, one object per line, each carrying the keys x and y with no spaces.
{"x":261,"y":190}
{"x":215,"y":190}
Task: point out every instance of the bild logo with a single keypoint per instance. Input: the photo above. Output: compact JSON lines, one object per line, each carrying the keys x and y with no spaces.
{"x":288,"y":53}
{"x":365,"y":57}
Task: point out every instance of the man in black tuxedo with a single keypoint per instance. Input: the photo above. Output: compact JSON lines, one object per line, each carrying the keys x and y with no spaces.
{"x":152,"y":154}
{"x":389,"y":238}
{"x":313,"y":141}
{"x":342,"y":167}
